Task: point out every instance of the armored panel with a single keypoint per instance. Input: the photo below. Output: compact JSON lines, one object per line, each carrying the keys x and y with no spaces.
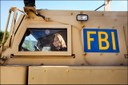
{"x":77,"y":75}
{"x":13,"y":74}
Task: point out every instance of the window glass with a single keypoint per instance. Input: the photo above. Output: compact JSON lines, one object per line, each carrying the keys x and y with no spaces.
{"x":44,"y":39}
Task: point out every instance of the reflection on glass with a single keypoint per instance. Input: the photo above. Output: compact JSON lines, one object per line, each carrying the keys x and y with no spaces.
{"x":45,"y":39}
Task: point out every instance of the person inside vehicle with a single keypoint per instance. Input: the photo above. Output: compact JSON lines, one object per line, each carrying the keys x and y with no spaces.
{"x":58,"y":43}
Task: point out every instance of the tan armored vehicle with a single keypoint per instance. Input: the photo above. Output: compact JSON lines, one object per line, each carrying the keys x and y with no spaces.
{"x":65,"y":47}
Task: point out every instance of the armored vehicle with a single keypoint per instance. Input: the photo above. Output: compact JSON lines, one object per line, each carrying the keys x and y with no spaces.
{"x":65,"y":47}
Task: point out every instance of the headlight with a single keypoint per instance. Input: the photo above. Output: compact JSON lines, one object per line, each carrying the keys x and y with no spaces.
{"x":82,"y":17}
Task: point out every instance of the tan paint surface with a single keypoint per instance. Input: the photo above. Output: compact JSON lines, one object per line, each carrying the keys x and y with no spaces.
{"x":13,"y":74}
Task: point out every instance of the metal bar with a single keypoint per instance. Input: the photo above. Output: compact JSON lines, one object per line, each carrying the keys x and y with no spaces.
{"x":3,"y":40}
{"x":100,"y":7}
{"x":13,"y":23}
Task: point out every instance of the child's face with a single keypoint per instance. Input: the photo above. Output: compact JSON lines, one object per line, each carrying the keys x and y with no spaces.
{"x":56,"y":42}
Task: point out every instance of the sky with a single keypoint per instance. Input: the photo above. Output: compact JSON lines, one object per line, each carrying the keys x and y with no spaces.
{"x":116,"y":5}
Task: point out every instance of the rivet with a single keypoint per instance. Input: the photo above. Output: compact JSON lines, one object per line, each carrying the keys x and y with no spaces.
{"x":41,"y":64}
{"x":71,"y":13}
{"x":32,"y":78}
{"x":102,"y":14}
{"x":121,"y":64}
{"x":45,"y":70}
{"x":115,"y":19}
{"x":101,"y":53}
{"x":83,"y":26}
{"x":47,"y":19}
{"x":116,"y":53}
{"x":98,"y":26}
{"x":85,"y":54}
{"x":81,"y":12}
{"x":82,"y":64}
{"x":67,"y":70}
{"x":113,"y":26}
{"x":112,"y":70}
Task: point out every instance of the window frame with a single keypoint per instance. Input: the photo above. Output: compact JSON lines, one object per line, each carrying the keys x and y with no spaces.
{"x":47,"y":53}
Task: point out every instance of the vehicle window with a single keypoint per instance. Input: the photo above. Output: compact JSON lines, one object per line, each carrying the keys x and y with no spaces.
{"x":44,"y":39}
